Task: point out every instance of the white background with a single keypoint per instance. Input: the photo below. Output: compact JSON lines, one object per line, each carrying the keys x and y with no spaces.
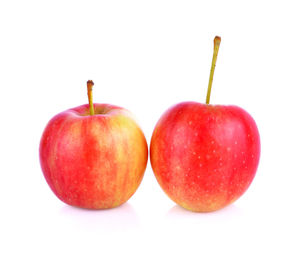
{"x":147,"y":56}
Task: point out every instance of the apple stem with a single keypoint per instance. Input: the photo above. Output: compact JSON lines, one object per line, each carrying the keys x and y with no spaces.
{"x":90,"y":85}
{"x":217,"y":42}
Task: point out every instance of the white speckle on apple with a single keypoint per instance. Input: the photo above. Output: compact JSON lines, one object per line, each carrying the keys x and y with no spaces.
{"x":214,"y":151}
{"x":198,"y":176}
{"x":221,"y":164}
{"x":235,"y":156}
{"x":194,"y":153}
{"x":235,"y":142}
{"x":244,"y":161}
{"x":200,"y":165}
{"x":199,"y":157}
{"x":212,"y":142}
{"x":196,"y":134}
{"x":189,"y":169}
{"x":228,"y":149}
{"x":190,"y":122}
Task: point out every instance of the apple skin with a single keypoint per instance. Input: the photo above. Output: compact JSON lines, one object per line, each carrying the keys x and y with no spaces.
{"x":205,"y":156}
{"x":94,"y":162}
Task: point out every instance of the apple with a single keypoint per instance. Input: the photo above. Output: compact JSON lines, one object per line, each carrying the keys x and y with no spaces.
{"x":93,"y":156}
{"x":205,"y":156}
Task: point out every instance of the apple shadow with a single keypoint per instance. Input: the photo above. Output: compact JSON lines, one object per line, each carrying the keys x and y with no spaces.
{"x":122,"y":218}
{"x":229,"y":213}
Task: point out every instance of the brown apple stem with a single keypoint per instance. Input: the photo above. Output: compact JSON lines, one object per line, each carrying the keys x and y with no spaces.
{"x":217,"y":42}
{"x":90,"y":85}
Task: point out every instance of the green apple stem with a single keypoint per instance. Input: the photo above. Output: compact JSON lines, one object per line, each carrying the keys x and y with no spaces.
{"x":217,"y":42}
{"x":90,"y":85}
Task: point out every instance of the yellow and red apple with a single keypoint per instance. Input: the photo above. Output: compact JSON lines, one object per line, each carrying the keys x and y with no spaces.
{"x":205,"y":156}
{"x":93,"y":156}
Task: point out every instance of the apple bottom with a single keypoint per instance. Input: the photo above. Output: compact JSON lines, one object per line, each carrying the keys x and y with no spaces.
{"x":94,"y":162}
{"x":203,"y":156}
{"x":197,"y":199}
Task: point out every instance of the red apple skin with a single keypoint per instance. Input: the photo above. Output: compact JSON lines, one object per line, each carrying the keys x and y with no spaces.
{"x":94,"y":162}
{"x":205,"y":156}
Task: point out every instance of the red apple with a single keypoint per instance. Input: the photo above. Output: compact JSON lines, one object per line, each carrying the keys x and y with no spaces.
{"x":205,"y":156}
{"x":93,"y":157}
